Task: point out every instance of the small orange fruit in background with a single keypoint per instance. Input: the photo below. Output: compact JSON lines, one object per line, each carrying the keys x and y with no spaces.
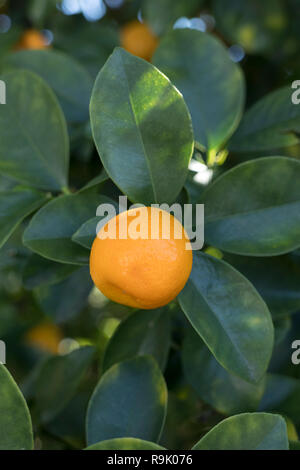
{"x":138,"y":39}
{"x":32,"y":39}
{"x":45,"y":337}
{"x":140,"y":272}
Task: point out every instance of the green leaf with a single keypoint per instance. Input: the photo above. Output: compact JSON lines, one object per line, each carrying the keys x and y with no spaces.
{"x":129,"y":400}
{"x":260,"y":215}
{"x":143,"y":332}
{"x":160,"y":15}
{"x":90,"y":42}
{"x":15,"y":205}
{"x":15,"y":423}
{"x":212,"y":85}
{"x":257,"y":26}
{"x":86,"y":233}
{"x":271,"y":123}
{"x":142,"y":129}
{"x":34,"y":146}
{"x":40,"y":271}
{"x":282,"y":394}
{"x":230,"y":316}
{"x":50,"y":230}
{"x":248,"y":431}
{"x":125,"y":443}
{"x":101,"y":178}
{"x":294,"y":445}
{"x":65,"y":300}
{"x":225,"y":392}
{"x":68,"y":79}
{"x":276,"y":278}
{"x":58,"y":381}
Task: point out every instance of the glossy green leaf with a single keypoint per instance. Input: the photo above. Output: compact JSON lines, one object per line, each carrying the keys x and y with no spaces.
{"x":50,"y":230}
{"x":143,"y":332}
{"x":271,"y":123}
{"x":68,"y":79}
{"x":225,"y":392}
{"x":66,"y":299}
{"x":257,"y":26}
{"x":255,"y":218}
{"x":86,"y":234}
{"x":230,"y":316}
{"x":142,"y":129}
{"x":161,"y":15}
{"x":34,"y":146}
{"x":248,"y":431}
{"x":15,"y":422}
{"x":212,"y":85}
{"x":125,"y":443}
{"x":129,"y":400}
{"x":40,"y":271}
{"x":58,"y":381}
{"x":15,"y":205}
{"x":276,"y":278}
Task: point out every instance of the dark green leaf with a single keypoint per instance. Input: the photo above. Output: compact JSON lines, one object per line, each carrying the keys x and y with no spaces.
{"x":15,"y":423}
{"x":225,"y":392}
{"x":40,"y":271}
{"x":50,"y":230}
{"x":260,"y":215}
{"x":277,"y":279}
{"x":212,"y":85}
{"x":230,"y":316}
{"x":58,"y":381}
{"x":15,"y":205}
{"x":142,"y":129}
{"x":86,"y":234}
{"x":125,"y":443}
{"x":90,"y":43}
{"x":282,"y":394}
{"x":271,"y":123}
{"x":294,"y":445}
{"x":68,"y":79}
{"x":34,"y":146}
{"x":101,"y":178}
{"x":143,"y":332}
{"x":248,"y":431}
{"x":129,"y":400}
{"x":65,"y":300}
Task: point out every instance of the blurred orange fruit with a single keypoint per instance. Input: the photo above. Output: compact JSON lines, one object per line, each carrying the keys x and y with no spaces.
{"x":145,"y":272}
{"x":45,"y":336}
{"x":138,"y":39}
{"x":32,"y":39}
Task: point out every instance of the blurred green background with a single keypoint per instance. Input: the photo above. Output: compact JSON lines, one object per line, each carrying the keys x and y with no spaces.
{"x":47,"y":308}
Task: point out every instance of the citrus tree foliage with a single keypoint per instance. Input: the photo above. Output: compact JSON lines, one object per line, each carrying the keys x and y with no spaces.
{"x":85,"y":122}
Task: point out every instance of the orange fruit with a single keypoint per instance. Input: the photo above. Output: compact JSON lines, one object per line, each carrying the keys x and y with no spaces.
{"x":45,"y":336}
{"x":142,"y":268}
{"x":32,"y":39}
{"x":138,"y":39}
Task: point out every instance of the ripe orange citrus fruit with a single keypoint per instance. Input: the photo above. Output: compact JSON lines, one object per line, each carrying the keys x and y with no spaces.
{"x":32,"y":39}
{"x":145,"y":272}
{"x":138,"y":39}
{"x":45,"y":336}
